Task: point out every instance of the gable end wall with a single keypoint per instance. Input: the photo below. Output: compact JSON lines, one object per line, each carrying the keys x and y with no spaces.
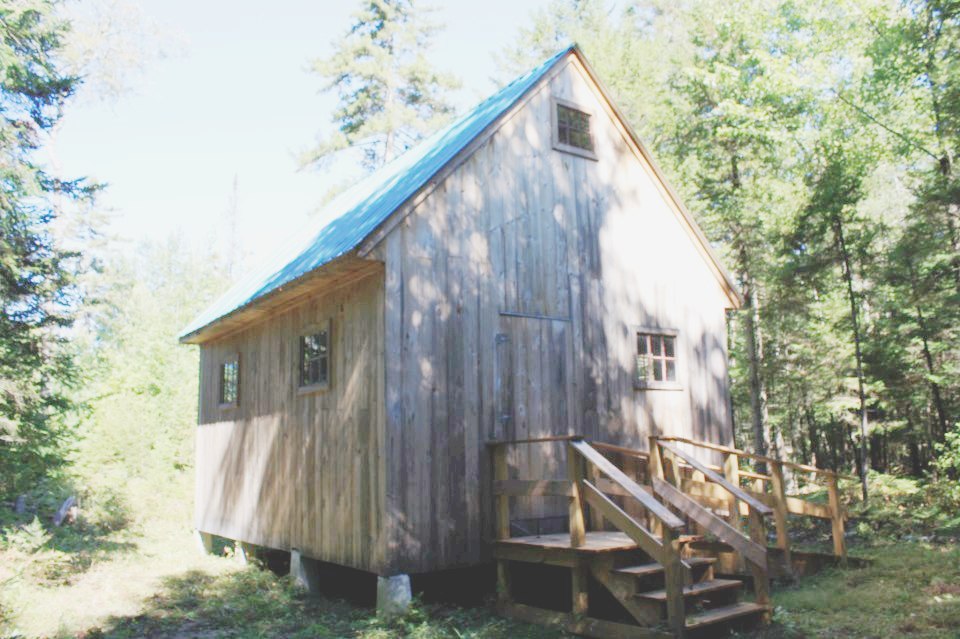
{"x":512,"y":294}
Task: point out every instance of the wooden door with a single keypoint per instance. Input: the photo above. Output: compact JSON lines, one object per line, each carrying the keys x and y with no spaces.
{"x":535,"y":398}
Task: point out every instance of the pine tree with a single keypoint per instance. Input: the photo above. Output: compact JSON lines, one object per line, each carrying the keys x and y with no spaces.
{"x":38,"y":298}
{"x":390,"y":94}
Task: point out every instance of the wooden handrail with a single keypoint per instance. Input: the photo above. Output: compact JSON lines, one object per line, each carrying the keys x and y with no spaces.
{"x":629,"y":452}
{"x":607,"y":467}
{"x":742,"y":453}
{"x":716,"y":478}
{"x":535,"y":440}
{"x":713,"y":524}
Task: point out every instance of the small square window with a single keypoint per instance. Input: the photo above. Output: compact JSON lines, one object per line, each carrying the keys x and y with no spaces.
{"x":571,"y":129}
{"x":656,"y":360}
{"x":230,"y":382}
{"x":315,"y":359}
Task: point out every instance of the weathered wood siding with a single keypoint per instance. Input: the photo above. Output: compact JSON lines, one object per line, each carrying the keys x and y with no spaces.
{"x":290,"y":470}
{"x":588,"y":250}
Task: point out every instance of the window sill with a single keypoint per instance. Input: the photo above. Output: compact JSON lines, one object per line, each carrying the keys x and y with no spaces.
{"x":653,"y":385}
{"x":576,"y":150}
{"x":225,"y":407}
{"x":313,"y":389}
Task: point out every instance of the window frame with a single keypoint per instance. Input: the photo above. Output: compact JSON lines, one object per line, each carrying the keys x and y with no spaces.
{"x":221,"y":369}
{"x":589,"y":154}
{"x":313,"y":329}
{"x":654,"y":384}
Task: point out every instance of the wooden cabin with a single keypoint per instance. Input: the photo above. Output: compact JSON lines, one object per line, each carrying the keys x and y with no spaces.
{"x":526,"y":273}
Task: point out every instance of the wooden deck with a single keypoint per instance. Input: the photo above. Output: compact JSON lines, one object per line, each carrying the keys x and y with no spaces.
{"x":595,"y":542}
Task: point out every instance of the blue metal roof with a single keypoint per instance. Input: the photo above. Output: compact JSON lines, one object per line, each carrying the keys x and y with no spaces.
{"x":353,"y":215}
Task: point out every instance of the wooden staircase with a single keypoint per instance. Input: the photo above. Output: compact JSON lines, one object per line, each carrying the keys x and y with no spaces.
{"x":638,"y":583}
{"x":645,"y":563}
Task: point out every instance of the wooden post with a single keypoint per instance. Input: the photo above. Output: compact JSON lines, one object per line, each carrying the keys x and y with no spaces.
{"x":580,"y":584}
{"x":697,"y":475}
{"x":836,"y":512}
{"x":596,"y":519}
{"x":501,"y":471}
{"x":504,"y":593}
{"x":674,"y":581}
{"x":780,"y":513}
{"x":731,"y":470}
{"x":761,"y":578}
{"x":578,"y":527}
{"x":655,"y":471}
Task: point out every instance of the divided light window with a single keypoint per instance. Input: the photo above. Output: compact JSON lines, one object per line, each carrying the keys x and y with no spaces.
{"x":230,"y":382}
{"x":315,"y":359}
{"x":656,"y":358}
{"x":573,"y":128}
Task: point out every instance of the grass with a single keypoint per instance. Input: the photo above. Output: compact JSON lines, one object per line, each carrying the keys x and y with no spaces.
{"x":168,"y":590}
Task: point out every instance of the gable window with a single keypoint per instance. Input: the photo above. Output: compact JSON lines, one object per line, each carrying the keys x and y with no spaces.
{"x":315,"y":359}
{"x":230,"y":382}
{"x":656,"y":359}
{"x":571,"y":129}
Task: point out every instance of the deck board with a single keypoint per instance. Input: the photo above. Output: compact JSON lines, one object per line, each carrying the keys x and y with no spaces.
{"x":595,"y":542}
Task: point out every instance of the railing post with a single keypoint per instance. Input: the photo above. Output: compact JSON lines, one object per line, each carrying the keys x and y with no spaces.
{"x":780,"y":513}
{"x":655,"y":471}
{"x":501,"y":472}
{"x":674,"y":581}
{"x":761,"y":577}
{"x":731,"y":470}
{"x":575,"y":473}
{"x":836,"y":518}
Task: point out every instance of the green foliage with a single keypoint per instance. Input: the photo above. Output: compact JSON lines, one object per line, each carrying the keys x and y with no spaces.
{"x":390,"y":94}
{"x":136,"y":448}
{"x":38,"y":296}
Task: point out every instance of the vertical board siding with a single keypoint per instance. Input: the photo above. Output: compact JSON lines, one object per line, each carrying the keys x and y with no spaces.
{"x":290,"y":470}
{"x":521,"y":228}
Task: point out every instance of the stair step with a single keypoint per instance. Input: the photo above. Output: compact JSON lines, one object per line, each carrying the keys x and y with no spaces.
{"x":646,"y":570}
{"x":702,"y":588}
{"x":725,"y":613}
{"x":689,"y":539}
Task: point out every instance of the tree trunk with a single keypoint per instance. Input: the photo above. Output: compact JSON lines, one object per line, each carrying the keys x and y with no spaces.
{"x":934,"y":386}
{"x":758,"y":390}
{"x":857,"y":340}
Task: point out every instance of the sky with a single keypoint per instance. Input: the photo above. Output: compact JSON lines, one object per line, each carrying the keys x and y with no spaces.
{"x":232,"y":99}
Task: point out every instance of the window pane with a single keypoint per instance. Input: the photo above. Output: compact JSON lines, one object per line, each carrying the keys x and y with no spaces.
{"x":671,"y":370}
{"x":642,"y":344}
{"x":643,"y":368}
{"x":656,"y":342}
{"x":658,"y":370}
{"x":668,"y":344}
{"x":229,"y":378}
{"x":314,"y":353}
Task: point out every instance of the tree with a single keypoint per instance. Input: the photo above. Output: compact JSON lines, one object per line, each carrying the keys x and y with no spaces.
{"x":38,"y":299}
{"x":390,"y":95}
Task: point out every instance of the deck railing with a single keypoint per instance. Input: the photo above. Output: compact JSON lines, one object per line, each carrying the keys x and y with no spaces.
{"x":770,"y":489}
